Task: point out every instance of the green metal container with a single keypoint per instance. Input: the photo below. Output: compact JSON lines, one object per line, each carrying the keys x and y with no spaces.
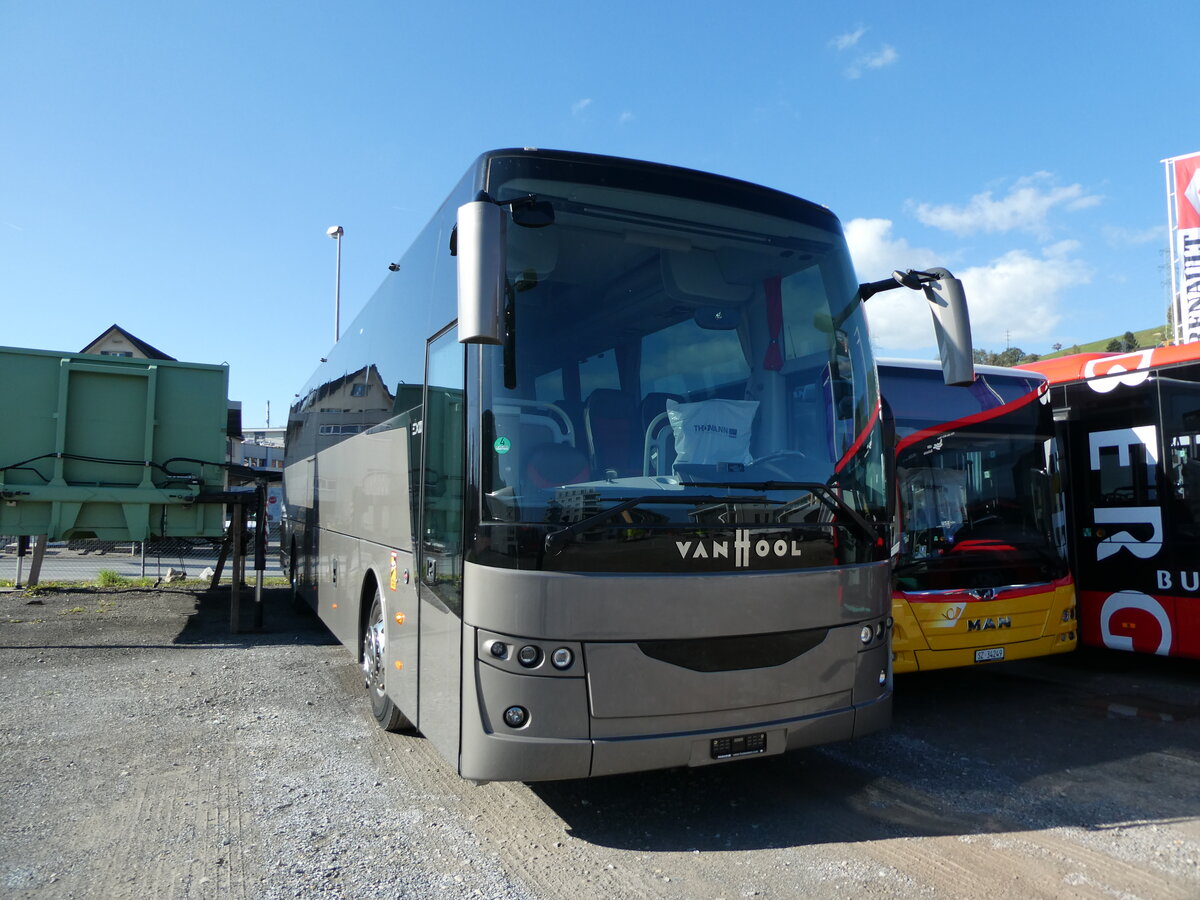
{"x":110,"y":447}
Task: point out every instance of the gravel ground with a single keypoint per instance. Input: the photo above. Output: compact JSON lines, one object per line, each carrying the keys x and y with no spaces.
{"x":147,"y":752}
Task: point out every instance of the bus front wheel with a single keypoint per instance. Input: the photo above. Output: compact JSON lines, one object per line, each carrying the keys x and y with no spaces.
{"x":373,"y":663}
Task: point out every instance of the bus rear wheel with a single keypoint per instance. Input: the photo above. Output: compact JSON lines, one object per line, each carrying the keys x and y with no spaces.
{"x":374,"y":643}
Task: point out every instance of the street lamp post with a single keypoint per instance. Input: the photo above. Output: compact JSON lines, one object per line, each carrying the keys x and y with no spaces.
{"x":336,"y":233}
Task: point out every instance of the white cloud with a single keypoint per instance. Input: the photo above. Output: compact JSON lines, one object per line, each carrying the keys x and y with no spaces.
{"x":1012,"y":299}
{"x":579,"y":106}
{"x":1026,"y":207}
{"x":625,"y":118}
{"x":884,"y":56}
{"x":876,"y":252}
{"x":1117,"y":236}
{"x":849,"y":39}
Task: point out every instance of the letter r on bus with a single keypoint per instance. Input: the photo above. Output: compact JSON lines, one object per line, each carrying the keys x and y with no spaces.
{"x":1123,"y":540}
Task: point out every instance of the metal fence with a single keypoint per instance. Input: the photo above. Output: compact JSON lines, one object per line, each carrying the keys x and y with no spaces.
{"x":84,"y":560}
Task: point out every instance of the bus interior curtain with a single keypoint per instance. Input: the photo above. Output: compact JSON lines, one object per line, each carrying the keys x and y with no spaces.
{"x":773,"y":361}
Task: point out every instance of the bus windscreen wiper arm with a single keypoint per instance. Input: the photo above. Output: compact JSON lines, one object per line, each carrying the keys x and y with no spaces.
{"x":556,"y":540}
{"x":822,"y":492}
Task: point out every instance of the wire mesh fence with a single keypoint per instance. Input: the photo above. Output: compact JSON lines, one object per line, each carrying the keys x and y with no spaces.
{"x":159,"y":559}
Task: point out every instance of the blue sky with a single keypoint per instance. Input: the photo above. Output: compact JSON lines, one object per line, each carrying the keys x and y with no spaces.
{"x":173,"y":167}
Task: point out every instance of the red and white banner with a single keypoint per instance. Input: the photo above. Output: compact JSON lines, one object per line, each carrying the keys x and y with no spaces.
{"x":1184,"y":183}
{"x":1187,"y":192}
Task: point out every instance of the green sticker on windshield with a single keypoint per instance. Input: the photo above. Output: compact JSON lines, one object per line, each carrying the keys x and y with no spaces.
{"x":502,"y":445}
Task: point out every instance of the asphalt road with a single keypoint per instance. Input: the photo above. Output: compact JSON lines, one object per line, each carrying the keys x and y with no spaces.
{"x":67,"y":562}
{"x":148,"y":752}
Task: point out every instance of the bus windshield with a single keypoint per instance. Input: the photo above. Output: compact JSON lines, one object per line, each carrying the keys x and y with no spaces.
{"x":977,"y":495}
{"x":674,"y":338}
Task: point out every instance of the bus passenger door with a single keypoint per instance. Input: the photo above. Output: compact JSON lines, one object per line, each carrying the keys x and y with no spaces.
{"x":439,"y":544}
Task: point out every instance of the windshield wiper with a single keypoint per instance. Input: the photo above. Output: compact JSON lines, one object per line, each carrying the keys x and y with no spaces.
{"x":556,"y":540}
{"x":823,"y":492}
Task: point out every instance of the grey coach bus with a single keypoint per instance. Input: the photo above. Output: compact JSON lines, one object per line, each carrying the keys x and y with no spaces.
{"x":595,"y":482}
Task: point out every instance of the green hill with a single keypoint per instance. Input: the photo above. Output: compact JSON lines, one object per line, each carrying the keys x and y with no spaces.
{"x":1147,"y":337}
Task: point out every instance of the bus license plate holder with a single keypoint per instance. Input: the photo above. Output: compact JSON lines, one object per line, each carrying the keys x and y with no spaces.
{"x":991,"y":654}
{"x":739,"y":745}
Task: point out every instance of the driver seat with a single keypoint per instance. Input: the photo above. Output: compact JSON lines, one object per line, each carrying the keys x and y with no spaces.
{"x":611,"y":421}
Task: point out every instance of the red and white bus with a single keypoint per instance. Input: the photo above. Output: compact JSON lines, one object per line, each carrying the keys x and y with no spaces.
{"x":1130,"y":430}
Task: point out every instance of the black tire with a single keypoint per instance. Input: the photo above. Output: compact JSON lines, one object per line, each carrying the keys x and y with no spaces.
{"x":387,"y":714}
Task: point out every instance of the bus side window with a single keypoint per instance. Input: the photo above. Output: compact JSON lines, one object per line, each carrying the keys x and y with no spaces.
{"x":1181,"y":431}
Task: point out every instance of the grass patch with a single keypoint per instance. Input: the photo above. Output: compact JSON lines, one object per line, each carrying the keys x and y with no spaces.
{"x":1146,"y":338}
{"x":107,"y":578}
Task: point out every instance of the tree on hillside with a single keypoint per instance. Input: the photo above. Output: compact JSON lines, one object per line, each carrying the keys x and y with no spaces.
{"x":1008,"y":357}
{"x":1129,"y":341}
{"x":1114,"y":346}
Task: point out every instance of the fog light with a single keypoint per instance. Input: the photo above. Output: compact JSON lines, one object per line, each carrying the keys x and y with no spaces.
{"x":529,"y":656}
{"x":562,"y":658}
{"x":498,"y":649}
{"x":516,"y":716}
{"x":866,"y":634}
{"x":882,"y":677}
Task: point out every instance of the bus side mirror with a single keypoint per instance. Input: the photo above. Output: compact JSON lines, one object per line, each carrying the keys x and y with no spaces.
{"x":480,"y":246}
{"x":952,"y":325}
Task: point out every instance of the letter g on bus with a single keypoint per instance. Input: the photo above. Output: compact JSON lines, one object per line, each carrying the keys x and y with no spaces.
{"x":1123,"y":600}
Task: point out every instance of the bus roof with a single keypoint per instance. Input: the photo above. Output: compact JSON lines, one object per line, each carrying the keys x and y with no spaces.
{"x":1062,"y":369}
{"x":934,"y":365}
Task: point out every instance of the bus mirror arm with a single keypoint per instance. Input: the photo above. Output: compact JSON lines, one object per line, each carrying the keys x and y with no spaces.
{"x":908,"y":278}
{"x":951,"y":322}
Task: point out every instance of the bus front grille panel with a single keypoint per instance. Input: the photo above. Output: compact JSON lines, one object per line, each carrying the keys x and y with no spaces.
{"x":734,"y":653}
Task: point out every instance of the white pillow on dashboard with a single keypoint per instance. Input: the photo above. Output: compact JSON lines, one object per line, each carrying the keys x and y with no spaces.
{"x":712,"y":431}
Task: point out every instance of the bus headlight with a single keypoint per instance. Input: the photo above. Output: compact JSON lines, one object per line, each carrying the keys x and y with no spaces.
{"x":866,"y":634}
{"x":529,"y":656}
{"x":562,"y":658}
